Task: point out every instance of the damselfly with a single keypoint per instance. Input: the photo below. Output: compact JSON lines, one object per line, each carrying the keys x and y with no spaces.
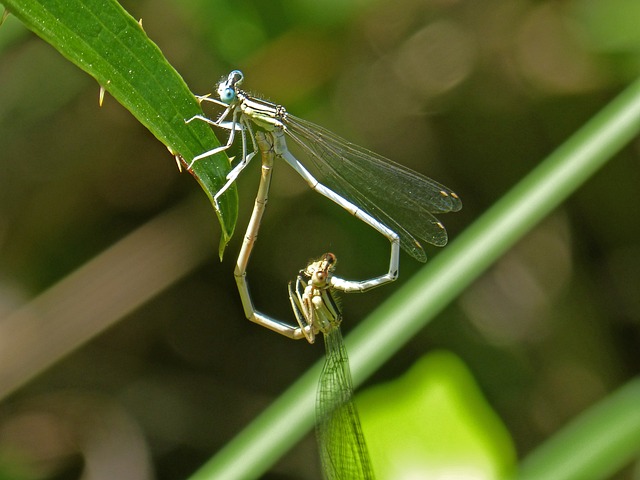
{"x":396,"y":201}
{"x":343,"y":451}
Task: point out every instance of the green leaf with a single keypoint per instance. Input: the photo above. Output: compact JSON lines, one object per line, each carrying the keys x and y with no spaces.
{"x":438,"y":423}
{"x":101,"y":38}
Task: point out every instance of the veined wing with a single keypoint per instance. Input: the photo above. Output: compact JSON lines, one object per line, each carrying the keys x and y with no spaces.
{"x":400,"y":198}
{"x":343,"y":451}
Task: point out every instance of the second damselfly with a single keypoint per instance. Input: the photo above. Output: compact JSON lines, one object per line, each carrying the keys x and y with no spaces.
{"x":343,"y":450}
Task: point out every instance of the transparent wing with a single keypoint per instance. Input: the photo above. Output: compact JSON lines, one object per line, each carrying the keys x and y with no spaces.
{"x":398,"y":197}
{"x":343,"y":451}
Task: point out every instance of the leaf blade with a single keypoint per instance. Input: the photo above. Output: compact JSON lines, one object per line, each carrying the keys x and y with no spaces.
{"x":102,"y":39}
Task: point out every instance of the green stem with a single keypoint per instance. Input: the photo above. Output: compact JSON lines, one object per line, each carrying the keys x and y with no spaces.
{"x":595,"y":445}
{"x":387,"y":329}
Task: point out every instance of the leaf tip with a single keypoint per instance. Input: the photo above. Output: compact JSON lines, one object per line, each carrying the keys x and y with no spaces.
{"x":224,"y":241}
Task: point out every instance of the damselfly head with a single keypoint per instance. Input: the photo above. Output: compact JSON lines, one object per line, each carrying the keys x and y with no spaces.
{"x":226,"y":94}
{"x":320,"y":271}
{"x":227,"y":88}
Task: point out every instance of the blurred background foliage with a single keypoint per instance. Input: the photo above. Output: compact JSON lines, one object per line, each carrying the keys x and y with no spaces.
{"x":473,"y":94}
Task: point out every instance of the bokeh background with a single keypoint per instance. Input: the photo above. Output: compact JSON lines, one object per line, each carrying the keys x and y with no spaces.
{"x":124,"y":347}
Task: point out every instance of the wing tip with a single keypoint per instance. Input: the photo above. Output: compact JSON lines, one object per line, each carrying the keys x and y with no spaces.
{"x":455,"y":202}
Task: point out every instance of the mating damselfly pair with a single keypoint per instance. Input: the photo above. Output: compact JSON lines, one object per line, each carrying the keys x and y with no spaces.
{"x":394,"y":200}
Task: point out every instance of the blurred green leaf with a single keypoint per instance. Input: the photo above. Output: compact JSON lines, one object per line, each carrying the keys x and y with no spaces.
{"x":101,"y":38}
{"x":438,"y":423}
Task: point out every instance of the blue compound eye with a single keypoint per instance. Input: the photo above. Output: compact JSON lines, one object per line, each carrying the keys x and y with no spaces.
{"x":227,"y":94}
